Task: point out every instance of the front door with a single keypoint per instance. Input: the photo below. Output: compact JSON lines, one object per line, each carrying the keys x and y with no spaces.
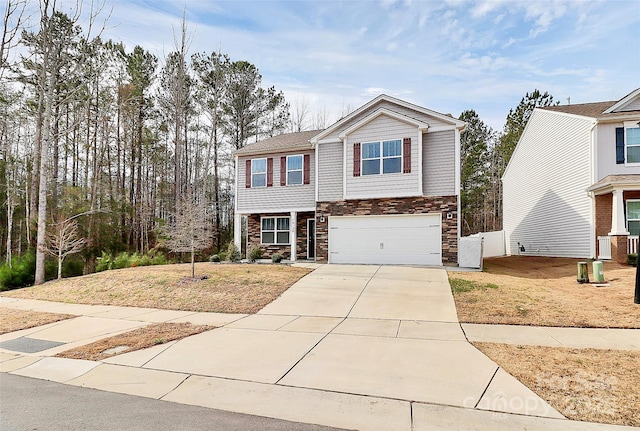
{"x":311,"y":239}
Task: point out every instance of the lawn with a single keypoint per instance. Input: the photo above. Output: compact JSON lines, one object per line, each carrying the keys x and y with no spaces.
{"x":541,"y":291}
{"x":223,"y":288}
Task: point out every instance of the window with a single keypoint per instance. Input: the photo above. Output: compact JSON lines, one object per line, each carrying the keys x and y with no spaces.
{"x":259,"y":173}
{"x":633,"y":217}
{"x":632,"y":142}
{"x":294,"y":170}
{"x":275,"y":230}
{"x":387,"y":161}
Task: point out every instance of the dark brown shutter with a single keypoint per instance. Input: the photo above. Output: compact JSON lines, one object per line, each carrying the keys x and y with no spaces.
{"x":619,"y":145}
{"x":248,"y":174}
{"x":283,"y":171}
{"x":406,"y":155}
{"x":307,"y":168}
{"x":356,"y":159}
{"x":270,"y":172}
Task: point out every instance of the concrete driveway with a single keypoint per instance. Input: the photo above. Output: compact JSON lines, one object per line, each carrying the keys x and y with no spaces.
{"x":389,"y":334}
{"x":354,"y":347}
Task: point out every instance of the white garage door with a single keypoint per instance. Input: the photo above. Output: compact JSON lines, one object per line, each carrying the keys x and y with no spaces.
{"x":391,"y":239}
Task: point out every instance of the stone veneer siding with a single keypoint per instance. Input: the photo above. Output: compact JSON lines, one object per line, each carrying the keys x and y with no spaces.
{"x":253,"y":232}
{"x":387,"y":206}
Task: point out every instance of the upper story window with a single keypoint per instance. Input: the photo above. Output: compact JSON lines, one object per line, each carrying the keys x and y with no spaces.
{"x":382,"y":157}
{"x":259,"y":173}
{"x":632,"y":143}
{"x":628,"y":143}
{"x":294,"y":169}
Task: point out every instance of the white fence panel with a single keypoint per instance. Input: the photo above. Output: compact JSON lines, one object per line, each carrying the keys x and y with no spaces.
{"x":604,"y":247}
{"x":633,"y":244}
{"x":470,"y":252}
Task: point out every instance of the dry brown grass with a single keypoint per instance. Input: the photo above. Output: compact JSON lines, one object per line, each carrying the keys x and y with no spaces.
{"x":14,"y":320}
{"x":582,"y":384}
{"x":544,"y":292}
{"x":141,"y":338}
{"x":229,"y":288}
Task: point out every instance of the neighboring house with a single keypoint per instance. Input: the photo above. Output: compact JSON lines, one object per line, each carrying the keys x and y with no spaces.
{"x":382,"y":185}
{"x":572,"y":187}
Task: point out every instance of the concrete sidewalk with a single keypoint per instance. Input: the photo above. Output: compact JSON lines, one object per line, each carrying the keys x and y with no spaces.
{"x":355,"y":347}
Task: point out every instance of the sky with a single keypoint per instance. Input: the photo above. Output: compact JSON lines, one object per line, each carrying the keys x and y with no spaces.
{"x":447,"y":56}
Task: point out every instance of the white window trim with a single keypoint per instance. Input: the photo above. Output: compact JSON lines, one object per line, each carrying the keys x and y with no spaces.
{"x":382,"y":157}
{"x":629,"y":125}
{"x":259,"y":173}
{"x":626,"y":214}
{"x":275,"y":231}
{"x":301,"y":170}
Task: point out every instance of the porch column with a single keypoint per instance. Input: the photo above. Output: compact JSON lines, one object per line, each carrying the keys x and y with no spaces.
{"x":617,"y":214}
{"x":293,"y":229}
{"x":237,"y":231}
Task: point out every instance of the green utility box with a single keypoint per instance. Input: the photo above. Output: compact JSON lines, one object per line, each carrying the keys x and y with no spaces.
{"x":598,"y":272}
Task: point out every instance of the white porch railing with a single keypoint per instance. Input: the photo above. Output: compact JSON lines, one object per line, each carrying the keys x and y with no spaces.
{"x":604,"y":247}
{"x":632,"y":244}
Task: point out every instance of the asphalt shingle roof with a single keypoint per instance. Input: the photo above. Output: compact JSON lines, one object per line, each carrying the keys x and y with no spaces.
{"x":593,"y":110}
{"x":280,"y":143}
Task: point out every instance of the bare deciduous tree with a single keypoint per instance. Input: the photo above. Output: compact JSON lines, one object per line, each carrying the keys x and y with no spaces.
{"x":189,"y":228}
{"x":62,"y":240}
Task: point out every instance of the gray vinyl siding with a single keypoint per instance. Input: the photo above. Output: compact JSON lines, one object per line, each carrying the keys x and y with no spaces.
{"x":431,"y":121}
{"x":606,"y":153}
{"x":330,"y":173}
{"x":382,"y":185}
{"x":438,"y":161}
{"x":546,"y":206}
{"x":276,"y":198}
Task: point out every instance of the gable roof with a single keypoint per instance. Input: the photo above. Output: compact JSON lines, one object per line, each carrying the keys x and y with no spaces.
{"x":285,"y":142}
{"x":600,"y":110}
{"x":383,"y":111}
{"x":442,"y":117}
{"x":624,"y":101}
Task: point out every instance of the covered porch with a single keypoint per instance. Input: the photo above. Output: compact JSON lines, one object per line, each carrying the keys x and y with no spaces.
{"x":617,"y":216}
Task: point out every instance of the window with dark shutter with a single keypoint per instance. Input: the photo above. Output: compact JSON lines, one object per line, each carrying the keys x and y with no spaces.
{"x":307,"y":168}
{"x":406,"y":155}
{"x":248,"y":174}
{"x":619,"y":145}
{"x":356,"y":159}
{"x":283,"y":171}
{"x":270,"y":172}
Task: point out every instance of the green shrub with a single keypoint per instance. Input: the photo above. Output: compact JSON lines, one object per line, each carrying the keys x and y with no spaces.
{"x":632,"y":259}
{"x":20,"y":274}
{"x":159,"y":259}
{"x":121,"y":261}
{"x":72,"y":267}
{"x":214,"y":258}
{"x":223,"y":256}
{"x":276,"y":258}
{"x":255,"y":253}
{"x":233,"y":254}
{"x":104,"y":262}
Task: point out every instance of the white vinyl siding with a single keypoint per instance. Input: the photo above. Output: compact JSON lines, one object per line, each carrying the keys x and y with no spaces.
{"x":330,"y":172}
{"x":388,"y":185}
{"x":276,"y":198}
{"x":633,"y":106}
{"x":605,"y":159}
{"x":438,"y":161}
{"x":546,"y":206}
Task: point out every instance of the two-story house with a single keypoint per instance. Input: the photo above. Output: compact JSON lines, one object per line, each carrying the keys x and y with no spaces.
{"x":381,"y":185}
{"x":572,"y":186}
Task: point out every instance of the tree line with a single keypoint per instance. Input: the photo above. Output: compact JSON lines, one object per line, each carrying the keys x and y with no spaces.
{"x":105,"y":145}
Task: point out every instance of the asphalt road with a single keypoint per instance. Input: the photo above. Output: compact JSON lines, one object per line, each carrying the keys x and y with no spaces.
{"x":31,"y":404}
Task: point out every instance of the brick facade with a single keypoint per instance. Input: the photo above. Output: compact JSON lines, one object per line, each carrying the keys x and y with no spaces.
{"x":388,"y":206}
{"x":619,"y":243}
{"x":253,"y":235}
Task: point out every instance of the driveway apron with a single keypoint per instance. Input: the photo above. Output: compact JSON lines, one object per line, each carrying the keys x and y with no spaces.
{"x":378,"y":331}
